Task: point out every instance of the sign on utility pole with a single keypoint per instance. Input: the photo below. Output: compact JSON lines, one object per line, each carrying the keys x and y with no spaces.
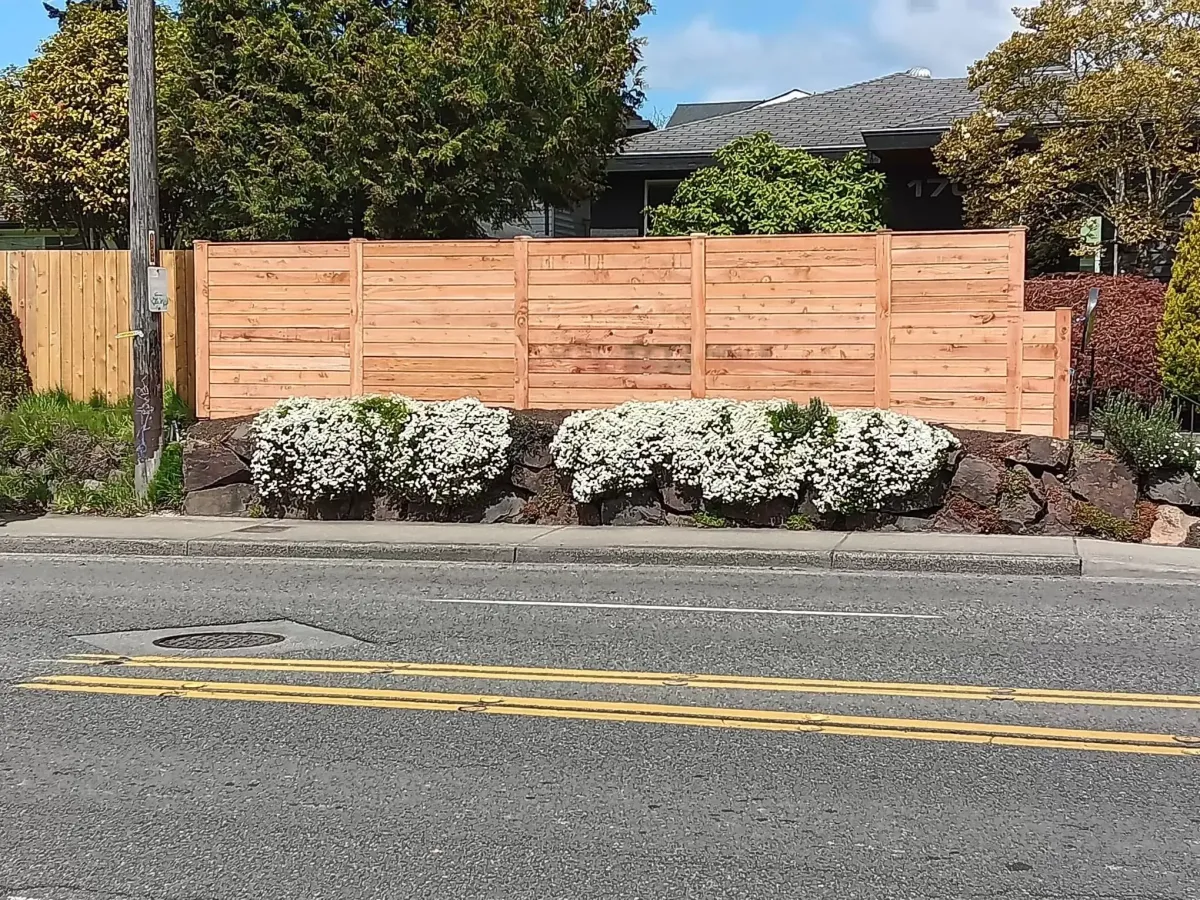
{"x":143,"y":246}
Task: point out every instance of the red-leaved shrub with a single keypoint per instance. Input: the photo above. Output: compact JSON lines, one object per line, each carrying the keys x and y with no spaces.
{"x":1125,"y":330}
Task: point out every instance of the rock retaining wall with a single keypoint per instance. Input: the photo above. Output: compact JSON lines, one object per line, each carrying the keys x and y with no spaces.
{"x":996,"y":483}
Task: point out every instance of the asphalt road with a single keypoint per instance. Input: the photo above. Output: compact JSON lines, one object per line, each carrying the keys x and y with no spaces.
{"x":608,"y":791}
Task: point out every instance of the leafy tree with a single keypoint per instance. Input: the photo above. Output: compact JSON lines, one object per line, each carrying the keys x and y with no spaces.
{"x":64,"y":127}
{"x":59,"y":13}
{"x":398,"y":118}
{"x":758,"y":187}
{"x":1179,"y":336}
{"x":1092,"y":109}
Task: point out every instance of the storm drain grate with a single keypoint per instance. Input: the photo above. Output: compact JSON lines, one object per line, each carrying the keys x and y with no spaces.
{"x":218,"y":640}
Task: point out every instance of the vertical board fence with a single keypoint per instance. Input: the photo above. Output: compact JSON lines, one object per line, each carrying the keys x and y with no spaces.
{"x":928,"y":324}
{"x":73,"y":304}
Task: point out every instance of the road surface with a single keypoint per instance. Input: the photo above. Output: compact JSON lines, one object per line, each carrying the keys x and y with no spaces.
{"x":463,"y":731}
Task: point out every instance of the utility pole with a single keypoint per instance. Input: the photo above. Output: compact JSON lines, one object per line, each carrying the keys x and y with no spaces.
{"x":143,"y":245}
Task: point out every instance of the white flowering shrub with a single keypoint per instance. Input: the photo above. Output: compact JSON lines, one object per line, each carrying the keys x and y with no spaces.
{"x":875,"y":456}
{"x":751,"y":452}
{"x":307,"y":451}
{"x":452,"y":451}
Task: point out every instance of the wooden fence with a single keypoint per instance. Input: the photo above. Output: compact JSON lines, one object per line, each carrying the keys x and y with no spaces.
{"x":929,"y":324}
{"x":72,"y":304}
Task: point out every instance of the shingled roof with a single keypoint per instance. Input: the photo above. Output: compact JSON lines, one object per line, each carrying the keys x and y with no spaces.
{"x":694,"y":112}
{"x":833,"y":120}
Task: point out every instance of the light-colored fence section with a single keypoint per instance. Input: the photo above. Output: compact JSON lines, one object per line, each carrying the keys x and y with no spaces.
{"x":437,"y":319}
{"x":73,"y":304}
{"x":929,"y":324}
{"x":791,"y":316}
{"x":609,"y":321}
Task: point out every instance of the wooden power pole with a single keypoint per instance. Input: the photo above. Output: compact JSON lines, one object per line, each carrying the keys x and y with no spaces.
{"x":143,"y":244}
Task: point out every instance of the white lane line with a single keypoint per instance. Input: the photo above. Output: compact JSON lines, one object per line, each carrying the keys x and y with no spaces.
{"x":698,"y":609}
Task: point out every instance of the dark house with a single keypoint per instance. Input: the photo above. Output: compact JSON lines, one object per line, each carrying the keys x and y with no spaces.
{"x":896,"y":119}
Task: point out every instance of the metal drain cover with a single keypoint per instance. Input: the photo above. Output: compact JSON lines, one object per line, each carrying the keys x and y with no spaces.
{"x":218,"y":640}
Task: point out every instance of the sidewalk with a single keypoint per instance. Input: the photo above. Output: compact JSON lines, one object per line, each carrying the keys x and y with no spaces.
{"x":859,"y":551}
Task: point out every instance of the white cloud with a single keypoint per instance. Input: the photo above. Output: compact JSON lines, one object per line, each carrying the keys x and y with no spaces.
{"x":708,"y":61}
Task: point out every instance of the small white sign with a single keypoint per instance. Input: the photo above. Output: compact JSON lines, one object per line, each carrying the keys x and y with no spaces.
{"x":157,"y":287}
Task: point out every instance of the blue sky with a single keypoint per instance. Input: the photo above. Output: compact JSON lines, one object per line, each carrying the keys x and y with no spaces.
{"x":745,"y":49}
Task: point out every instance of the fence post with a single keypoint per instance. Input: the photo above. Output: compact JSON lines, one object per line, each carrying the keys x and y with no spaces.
{"x":521,"y":322}
{"x":356,"y":316}
{"x":1062,"y":372}
{"x":1016,"y":327}
{"x":883,"y":319}
{"x":203,"y":371}
{"x":699,"y":364}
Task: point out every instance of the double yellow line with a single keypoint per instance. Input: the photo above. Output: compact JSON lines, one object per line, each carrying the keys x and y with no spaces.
{"x":758,"y":720}
{"x":647,"y":679}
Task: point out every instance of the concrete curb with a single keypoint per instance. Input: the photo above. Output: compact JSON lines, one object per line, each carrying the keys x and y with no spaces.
{"x":517,"y":554}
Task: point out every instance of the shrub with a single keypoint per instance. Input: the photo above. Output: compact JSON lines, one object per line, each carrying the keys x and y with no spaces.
{"x":1147,"y":439}
{"x":876,"y":456}
{"x":739,"y":453}
{"x":453,"y":451}
{"x":308,"y":451}
{"x":14,"y":372}
{"x":1125,"y":330}
{"x":67,"y":455}
{"x":757,"y":186}
{"x":1179,"y":336}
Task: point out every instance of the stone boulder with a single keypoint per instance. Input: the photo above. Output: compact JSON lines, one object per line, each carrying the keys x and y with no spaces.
{"x":1039,"y":453}
{"x":769,"y":514}
{"x":1060,"y":511}
{"x":1171,"y":526}
{"x":1033,"y":484}
{"x":532,"y":480}
{"x":212,"y":465}
{"x":978,"y":480}
{"x":1177,"y":489}
{"x":1106,"y":483}
{"x":536,"y":456}
{"x":680,"y":498}
{"x":1018,"y":510}
{"x":641,"y":507}
{"x":241,"y":440}
{"x":912,"y":524}
{"x":226,"y":500}
{"x":506,"y":508}
{"x":926,"y":498}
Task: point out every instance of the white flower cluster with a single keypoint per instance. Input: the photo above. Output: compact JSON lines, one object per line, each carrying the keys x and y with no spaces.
{"x":875,"y":456}
{"x":444,"y":452}
{"x":454,"y":450}
{"x":732,"y":452}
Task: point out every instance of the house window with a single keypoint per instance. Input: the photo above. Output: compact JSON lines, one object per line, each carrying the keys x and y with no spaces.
{"x":657,"y":192}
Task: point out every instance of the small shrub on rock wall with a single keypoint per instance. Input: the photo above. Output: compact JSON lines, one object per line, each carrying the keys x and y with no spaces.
{"x":1147,"y":439}
{"x":309,"y":451}
{"x":738,"y":452}
{"x":453,"y":451}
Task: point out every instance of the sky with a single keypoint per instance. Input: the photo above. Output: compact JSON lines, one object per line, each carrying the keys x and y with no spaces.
{"x":745,"y":49}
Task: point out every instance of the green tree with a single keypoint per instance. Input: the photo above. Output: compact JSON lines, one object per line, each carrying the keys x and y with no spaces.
{"x":1179,"y":335}
{"x":64,"y":127}
{"x":758,"y":187}
{"x":1091,"y":109}
{"x":398,"y":118}
{"x":59,"y":13}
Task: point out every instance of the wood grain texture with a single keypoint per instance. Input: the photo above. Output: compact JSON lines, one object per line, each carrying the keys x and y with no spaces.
{"x":917,"y":322}
{"x":699,"y":316}
{"x":355,"y":343}
{"x":1062,"y":373}
{"x":1016,"y":303}
{"x":521,"y":323}
{"x":883,"y":319}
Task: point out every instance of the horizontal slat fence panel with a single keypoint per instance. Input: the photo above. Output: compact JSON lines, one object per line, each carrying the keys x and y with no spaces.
{"x":73,"y":304}
{"x":275,"y":322}
{"x":929,"y":324}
